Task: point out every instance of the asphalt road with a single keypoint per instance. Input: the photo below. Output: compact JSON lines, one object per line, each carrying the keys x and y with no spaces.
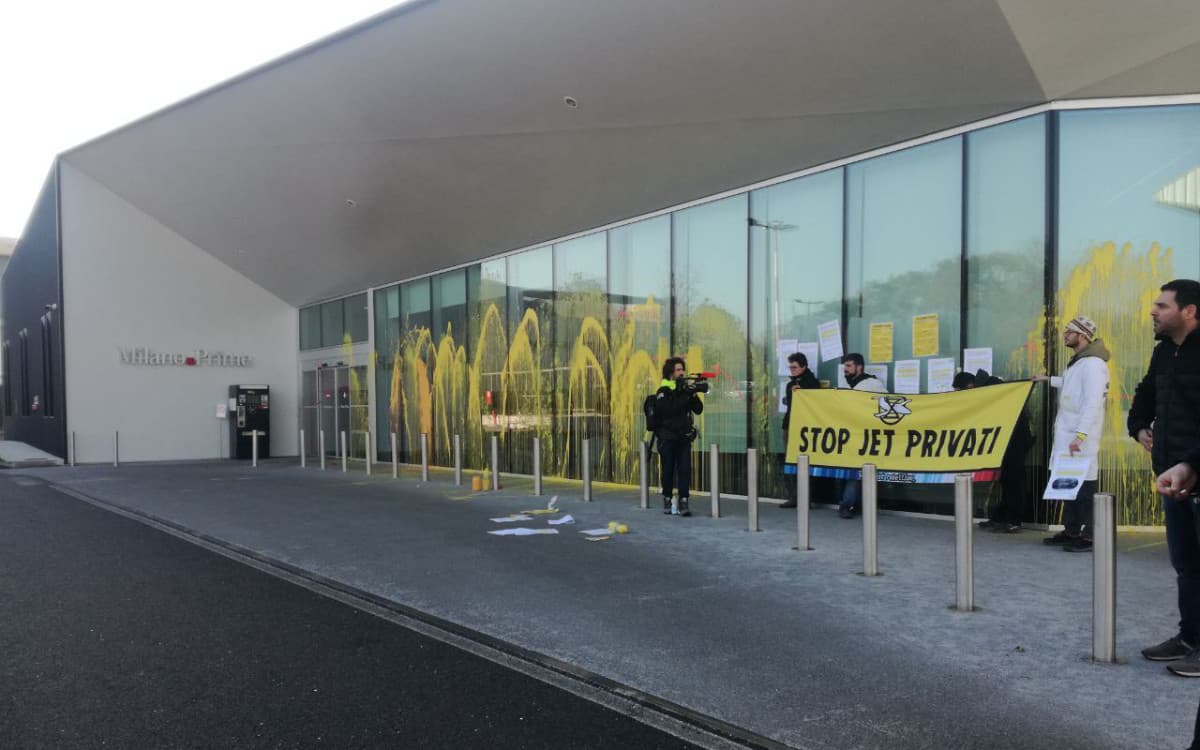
{"x":117,"y":635}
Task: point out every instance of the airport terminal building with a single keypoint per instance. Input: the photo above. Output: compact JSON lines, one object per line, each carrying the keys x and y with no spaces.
{"x":474,"y":218}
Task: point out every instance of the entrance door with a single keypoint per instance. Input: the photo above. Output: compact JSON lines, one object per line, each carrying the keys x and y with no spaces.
{"x":336,"y":402}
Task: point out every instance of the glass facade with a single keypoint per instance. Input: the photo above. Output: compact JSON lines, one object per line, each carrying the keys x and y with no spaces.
{"x":990,"y":238}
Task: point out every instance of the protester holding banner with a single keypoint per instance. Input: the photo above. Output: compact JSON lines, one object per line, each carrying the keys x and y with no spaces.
{"x":801,"y":377}
{"x":1165,"y":418}
{"x":1079,"y":425}
{"x":1004,"y":516}
{"x":854,"y":370}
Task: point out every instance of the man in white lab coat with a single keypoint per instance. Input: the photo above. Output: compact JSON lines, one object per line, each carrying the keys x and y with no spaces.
{"x":1079,"y":425}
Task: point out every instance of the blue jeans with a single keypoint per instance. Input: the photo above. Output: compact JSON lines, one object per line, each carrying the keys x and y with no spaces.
{"x":676,"y":466}
{"x":1183,"y":544}
{"x":851,"y":494}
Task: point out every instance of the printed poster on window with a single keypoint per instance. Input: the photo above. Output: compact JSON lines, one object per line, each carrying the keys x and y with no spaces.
{"x":879,"y":348}
{"x":925,"y":335}
{"x":908,"y":376}
{"x":879,"y":371}
{"x":830,"y":334}
{"x":783,"y":348}
{"x":975,"y":360}
{"x":940,"y":376}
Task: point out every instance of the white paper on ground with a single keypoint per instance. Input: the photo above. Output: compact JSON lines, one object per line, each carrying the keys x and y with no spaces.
{"x":603,"y":531}
{"x":1067,"y":474}
{"x":522,"y":531}
{"x":510,"y":519}
{"x":560,"y":521}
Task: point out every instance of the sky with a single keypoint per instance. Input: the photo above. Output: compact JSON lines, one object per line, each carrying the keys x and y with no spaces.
{"x":73,"y":70}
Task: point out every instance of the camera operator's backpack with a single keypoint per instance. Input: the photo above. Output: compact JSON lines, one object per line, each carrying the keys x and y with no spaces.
{"x":648,"y":410}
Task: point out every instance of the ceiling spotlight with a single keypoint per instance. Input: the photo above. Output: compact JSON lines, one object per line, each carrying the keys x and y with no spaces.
{"x":350,"y":203}
{"x":571,"y":102}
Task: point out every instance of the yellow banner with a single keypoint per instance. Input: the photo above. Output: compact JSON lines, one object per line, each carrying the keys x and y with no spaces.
{"x":936,"y":432}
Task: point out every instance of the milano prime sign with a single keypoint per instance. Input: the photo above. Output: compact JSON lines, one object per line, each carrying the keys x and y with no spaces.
{"x":144,"y":355}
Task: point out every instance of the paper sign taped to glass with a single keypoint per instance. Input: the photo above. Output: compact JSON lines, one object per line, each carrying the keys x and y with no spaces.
{"x":959,"y":431}
{"x":1067,"y":475}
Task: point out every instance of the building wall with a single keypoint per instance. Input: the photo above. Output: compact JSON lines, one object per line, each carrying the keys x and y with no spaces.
{"x":1003,"y":232}
{"x":33,"y":397}
{"x":130,"y":283}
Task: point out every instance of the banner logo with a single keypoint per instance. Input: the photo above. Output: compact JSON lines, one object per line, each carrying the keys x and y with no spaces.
{"x":892,"y":409}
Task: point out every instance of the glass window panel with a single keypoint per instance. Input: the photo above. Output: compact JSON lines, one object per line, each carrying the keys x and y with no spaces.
{"x":417,"y":358}
{"x":710,"y":263}
{"x":487,"y":301}
{"x":1006,"y":243}
{"x":388,"y":367}
{"x":581,"y":356}
{"x":332,"y":323}
{"x":449,"y":366}
{"x":1127,"y":224}
{"x":356,"y":315}
{"x":904,"y":246}
{"x":640,"y":331}
{"x":310,"y":327}
{"x":796,"y":278}
{"x":527,"y":398}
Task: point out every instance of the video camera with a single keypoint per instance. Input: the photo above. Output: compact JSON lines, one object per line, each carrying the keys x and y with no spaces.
{"x":697,"y":382}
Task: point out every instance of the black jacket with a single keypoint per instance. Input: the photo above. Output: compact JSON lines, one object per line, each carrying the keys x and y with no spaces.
{"x":807,"y":380}
{"x":1169,"y":399}
{"x":673,"y":412}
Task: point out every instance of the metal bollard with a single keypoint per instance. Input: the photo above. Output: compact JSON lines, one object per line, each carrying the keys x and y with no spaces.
{"x":395,"y":457}
{"x":1104,"y":578}
{"x":253,"y":448}
{"x":367,"y":446}
{"x":803,"y":498}
{"x":495,"y":462}
{"x":752,"y":489}
{"x":587,"y":471}
{"x":74,"y":455}
{"x":714,"y":479}
{"x":870,"y":516}
{"x":116,"y":447}
{"x":424,"y":457}
{"x":644,"y":474}
{"x":537,"y":466}
{"x":457,"y":460}
{"x":321,"y":447}
{"x":303,"y":455}
{"x":964,"y":544}
{"x":343,"y":447}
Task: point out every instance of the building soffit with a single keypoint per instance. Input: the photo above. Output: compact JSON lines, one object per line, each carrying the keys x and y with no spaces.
{"x":439,"y":135}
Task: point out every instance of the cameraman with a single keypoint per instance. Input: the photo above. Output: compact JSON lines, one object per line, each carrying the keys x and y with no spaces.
{"x":675,"y":403}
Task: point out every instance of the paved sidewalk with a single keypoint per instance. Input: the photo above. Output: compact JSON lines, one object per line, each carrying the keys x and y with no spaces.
{"x":794,"y":646}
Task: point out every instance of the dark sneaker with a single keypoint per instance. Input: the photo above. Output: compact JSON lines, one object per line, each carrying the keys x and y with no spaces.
{"x":988,"y":525}
{"x":789,"y":504}
{"x":1007,"y":528}
{"x":1172,"y":649}
{"x":846,"y":512}
{"x":683,"y":507}
{"x":1080,"y":544}
{"x":1188,"y":666}
{"x":667,"y":505}
{"x":1061,"y":537}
